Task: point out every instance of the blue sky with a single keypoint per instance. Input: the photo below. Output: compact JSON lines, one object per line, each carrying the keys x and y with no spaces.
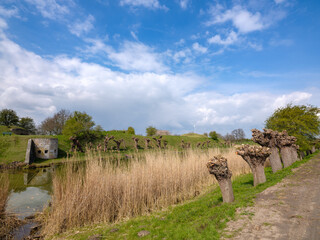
{"x":176,"y":65}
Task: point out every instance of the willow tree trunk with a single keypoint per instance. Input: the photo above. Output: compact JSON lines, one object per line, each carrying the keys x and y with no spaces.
{"x":286,"y":156}
{"x":226,"y":190}
{"x":302,"y":155}
{"x":275,"y":160}
{"x":258,"y":174}
{"x":294,"y":154}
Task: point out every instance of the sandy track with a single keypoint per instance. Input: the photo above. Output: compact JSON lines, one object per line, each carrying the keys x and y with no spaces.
{"x":288,"y":210}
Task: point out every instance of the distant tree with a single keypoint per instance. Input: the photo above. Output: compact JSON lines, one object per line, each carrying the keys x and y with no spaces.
{"x":303,"y":122}
{"x":151,"y":131}
{"x":54,"y":125}
{"x":206,"y":134}
{"x":79,"y":125}
{"x":131,"y":130}
{"x":28,"y":124}
{"x":8,"y":117}
{"x":228,"y":137}
{"x":238,"y":134}
{"x":213,"y":135}
{"x":98,"y":128}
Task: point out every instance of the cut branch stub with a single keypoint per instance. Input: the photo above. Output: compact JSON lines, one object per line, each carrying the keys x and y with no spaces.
{"x":255,"y":156}
{"x":158,"y":141}
{"x":268,"y":138}
{"x":218,"y":166}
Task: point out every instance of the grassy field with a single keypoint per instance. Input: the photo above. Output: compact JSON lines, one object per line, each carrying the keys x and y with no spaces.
{"x":13,"y":148}
{"x":204,"y":217}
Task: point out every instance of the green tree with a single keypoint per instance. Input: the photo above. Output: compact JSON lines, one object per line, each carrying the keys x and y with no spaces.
{"x":300,"y":121}
{"x":213,"y":135}
{"x":28,"y":124}
{"x":131,"y":130}
{"x":8,"y":117}
{"x":151,"y":131}
{"x":54,"y":125}
{"x":80,"y":125}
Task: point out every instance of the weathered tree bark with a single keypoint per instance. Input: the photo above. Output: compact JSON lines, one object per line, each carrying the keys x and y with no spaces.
{"x":268,"y":138}
{"x":118,"y":142}
{"x":208,"y":142}
{"x":158,"y":141}
{"x":218,"y":166}
{"x":288,"y":148}
{"x":198,"y":144}
{"x":106,"y":142}
{"x":286,"y":155}
{"x":135,"y":140}
{"x":147,"y":141}
{"x":165,"y":143}
{"x":302,"y":155}
{"x":313,"y":149}
{"x":255,"y":156}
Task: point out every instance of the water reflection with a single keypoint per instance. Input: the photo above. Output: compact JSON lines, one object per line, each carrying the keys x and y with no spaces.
{"x":29,"y":191}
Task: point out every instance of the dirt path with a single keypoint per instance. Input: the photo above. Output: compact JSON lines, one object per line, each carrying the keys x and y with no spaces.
{"x":288,"y":210}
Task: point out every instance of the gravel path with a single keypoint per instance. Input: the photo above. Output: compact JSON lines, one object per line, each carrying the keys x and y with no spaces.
{"x":288,"y":210}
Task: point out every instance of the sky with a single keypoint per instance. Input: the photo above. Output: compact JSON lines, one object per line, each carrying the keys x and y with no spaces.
{"x":178,"y":65}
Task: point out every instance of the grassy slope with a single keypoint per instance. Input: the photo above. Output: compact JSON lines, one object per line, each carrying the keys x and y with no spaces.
{"x":13,"y":148}
{"x":205,"y":217}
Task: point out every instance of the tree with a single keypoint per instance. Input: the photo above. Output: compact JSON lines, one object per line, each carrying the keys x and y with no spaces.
{"x":213,"y":135}
{"x":151,"y":131}
{"x":54,"y":125}
{"x":301,"y":122}
{"x":28,"y":124}
{"x":238,"y":134}
{"x":131,"y":130}
{"x":8,"y":117}
{"x":79,"y":125}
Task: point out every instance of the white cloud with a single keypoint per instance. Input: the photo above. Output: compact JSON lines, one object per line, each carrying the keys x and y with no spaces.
{"x":197,"y":47}
{"x":50,"y":8}
{"x":134,"y":35}
{"x":241,"y":18}
{"x":79,"y":28}
{"x":231,"y":39}
{"x":136,"y":57}
{"x":152,"y":4}
{"x":279,"y":1}
{"x":13,"y":12}
{"x":184,"y":4}
{"x":37,"y":87}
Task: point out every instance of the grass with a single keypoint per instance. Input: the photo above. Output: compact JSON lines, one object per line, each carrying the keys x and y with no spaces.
{"x":13,"y":148}
{"x":153,"y":180}
{"x":204,"y":217}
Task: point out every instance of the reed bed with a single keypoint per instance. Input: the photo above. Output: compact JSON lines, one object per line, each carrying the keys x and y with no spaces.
{"x":105,"y":191}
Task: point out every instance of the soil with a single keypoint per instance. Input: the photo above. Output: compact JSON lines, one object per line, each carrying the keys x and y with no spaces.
{"x":288,"y":210}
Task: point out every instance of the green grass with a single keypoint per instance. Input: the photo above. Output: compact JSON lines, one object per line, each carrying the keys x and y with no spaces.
{"x":205,"y":217}
{"x":13,"y":148}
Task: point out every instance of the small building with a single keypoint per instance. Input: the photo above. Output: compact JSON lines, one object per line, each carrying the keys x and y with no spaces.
{"x":162,"y":132}
{"x":43,"y":148}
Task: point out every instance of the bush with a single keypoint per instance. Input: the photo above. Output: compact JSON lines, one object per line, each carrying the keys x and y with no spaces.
{"x":131,"y":131}
{"x":151,"y":131}
{"x":213,"y":135}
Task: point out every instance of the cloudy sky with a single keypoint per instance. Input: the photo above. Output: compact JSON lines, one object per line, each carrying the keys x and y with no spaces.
{"x":173,"y":64}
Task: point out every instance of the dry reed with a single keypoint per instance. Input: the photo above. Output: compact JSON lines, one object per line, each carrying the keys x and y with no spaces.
{"x":154,"y":180}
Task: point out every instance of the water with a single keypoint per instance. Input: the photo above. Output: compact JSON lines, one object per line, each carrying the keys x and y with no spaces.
{"x":30,"y":191}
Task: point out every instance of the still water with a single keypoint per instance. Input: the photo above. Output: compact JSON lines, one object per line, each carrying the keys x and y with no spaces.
{"x":30,"y":191}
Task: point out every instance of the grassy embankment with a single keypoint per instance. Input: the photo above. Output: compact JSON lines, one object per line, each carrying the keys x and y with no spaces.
{"x":13,"y":148}
{"x":204,"y":217}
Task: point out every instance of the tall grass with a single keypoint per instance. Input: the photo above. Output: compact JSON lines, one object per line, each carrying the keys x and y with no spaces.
{"x":103,"y":191}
